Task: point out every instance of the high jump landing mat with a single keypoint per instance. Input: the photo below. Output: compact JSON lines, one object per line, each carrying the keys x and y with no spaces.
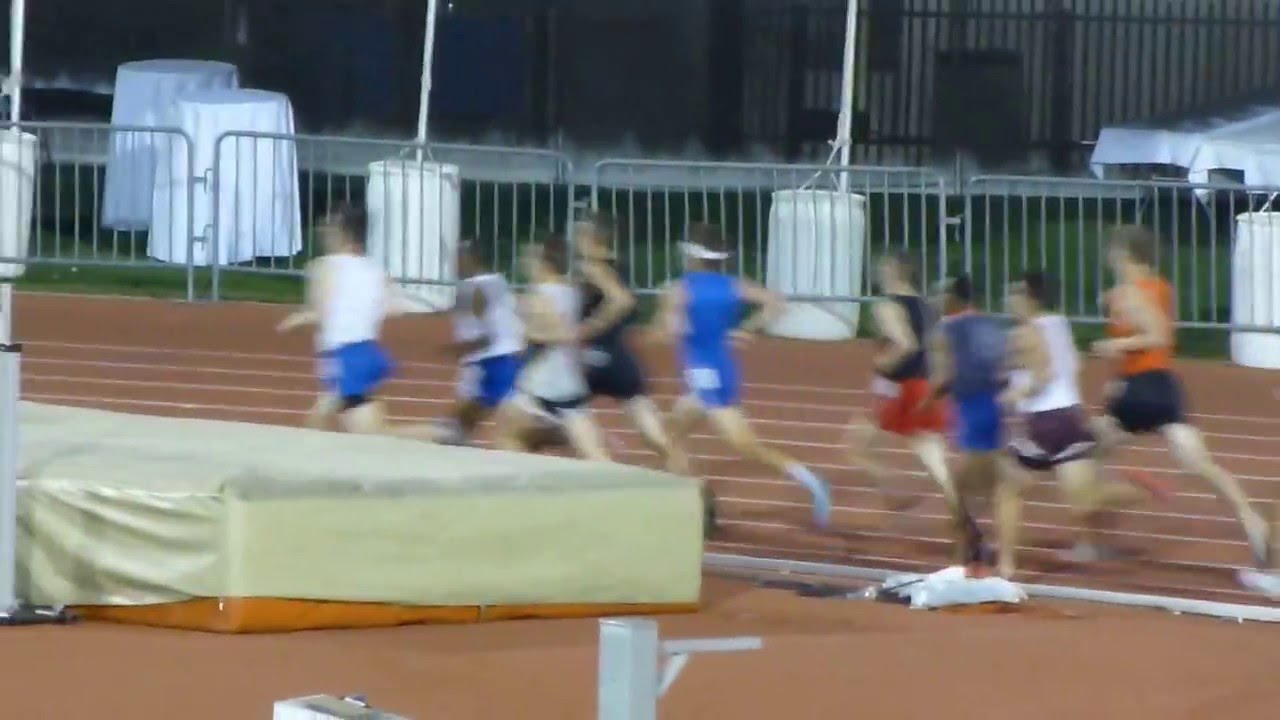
{"x":232,"y":527}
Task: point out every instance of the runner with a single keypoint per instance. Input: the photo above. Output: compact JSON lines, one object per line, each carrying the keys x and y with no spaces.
{"x":608,"y":310}
{"x":488,"y":342}
{"x":348,"y":296}
{"x":703,"y":310}
{"x":966,"y":356}
{"x":1055,"y":433}
{"x":1146,"y":396}
{"x":900,"y":385}
{"x":551,"y":389}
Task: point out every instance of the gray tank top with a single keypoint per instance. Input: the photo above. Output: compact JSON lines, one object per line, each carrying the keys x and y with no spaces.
{"x":977,"y":344}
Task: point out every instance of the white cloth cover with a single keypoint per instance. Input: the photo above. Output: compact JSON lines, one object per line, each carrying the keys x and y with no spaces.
{"x":816,"y":244}
{"x":415,"y":211}
{"x":144,"y":92}
{"x":1248,"y":142}
{"x":256,"y":210}
{"x":17,"y":196}
{"x":1255,"y":289}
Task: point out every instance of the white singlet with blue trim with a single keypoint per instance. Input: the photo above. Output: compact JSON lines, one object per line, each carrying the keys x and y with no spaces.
{"x":1063,"y":388}
{"x":554,"y":372}
{"x":501,"y":320}
{"x":356,"y":300}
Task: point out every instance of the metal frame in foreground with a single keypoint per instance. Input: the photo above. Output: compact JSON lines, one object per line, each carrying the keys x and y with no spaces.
{"x":636,"y":668}
{"x":1227,"y":611}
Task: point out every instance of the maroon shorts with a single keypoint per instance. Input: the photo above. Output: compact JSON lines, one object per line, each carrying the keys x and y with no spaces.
{"x":1053,"y":437}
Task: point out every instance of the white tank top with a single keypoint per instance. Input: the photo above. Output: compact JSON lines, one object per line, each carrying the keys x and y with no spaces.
{"x":555,"y":372}
{"x":1063,"y":389}
{"x":356,"y":302}
{"x":500,"y":323}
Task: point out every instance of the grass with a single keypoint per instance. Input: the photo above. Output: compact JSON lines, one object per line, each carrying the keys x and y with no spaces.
{"x":1001,"y":236}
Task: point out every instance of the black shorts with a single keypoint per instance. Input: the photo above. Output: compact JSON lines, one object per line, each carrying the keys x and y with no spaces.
{"x":1052,"y":437}
{"x":1148,"y":402}
{"x":550,"y":409}
{"x":613,"y":373}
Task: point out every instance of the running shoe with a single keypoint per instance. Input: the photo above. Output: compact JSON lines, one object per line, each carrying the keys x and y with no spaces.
{"x":1264,"y":583}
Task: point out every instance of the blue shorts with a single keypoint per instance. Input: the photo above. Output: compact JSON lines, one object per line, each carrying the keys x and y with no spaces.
{"x":487,"y":382}
{"x":979,"y":423}
{"x":355,"y":371}
{"x":714,"y":384}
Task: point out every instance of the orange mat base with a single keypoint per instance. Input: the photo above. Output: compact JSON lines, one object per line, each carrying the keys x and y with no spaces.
{"x":266,"y":615}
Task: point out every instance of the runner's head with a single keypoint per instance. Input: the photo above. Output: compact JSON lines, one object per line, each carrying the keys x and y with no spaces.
{"x":593,"y":237}
{"x":1131,"y":249}
{"x":1030,"y":295}
{"x":704,"y":248}
{"x":958,"y":295}
{"x":470,"y":261}
{"x":344,"y":230}
{"x":546,"y":259}
{"x":894,"y":270}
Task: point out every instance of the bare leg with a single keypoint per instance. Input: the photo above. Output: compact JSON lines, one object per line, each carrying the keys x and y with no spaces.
{"x":733,"y":427}
{"x":584,"y":436}
{"x":645,"y":416}
{"x":512,"y":423}
{"x":974,"y":478}
{"x":323,"y":412}
{"x":1187,"y":445}
{"x":684,"y":417}
{"x":1010,"y":484}
{"x":931,"y":449}
{"x":366,"y":419}
{"x":862,"y":439}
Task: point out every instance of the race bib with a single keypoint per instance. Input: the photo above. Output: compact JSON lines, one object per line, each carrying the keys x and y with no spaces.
{"x":884,"y":387}
{"x":702,"y":378}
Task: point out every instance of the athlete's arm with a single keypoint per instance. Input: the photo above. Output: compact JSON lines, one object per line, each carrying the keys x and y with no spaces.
{"x":941,"y":367}
{"x":542,"y":325}
{"x":895,"y":327}
{"x":1028,"y":351}
{"x":769,"y":305}
{"x":666,"y":324}
{"x":479,"y":306}
{"x":618,"y":301}
{"x":315,"y":291}
{"x":1134,"y":309}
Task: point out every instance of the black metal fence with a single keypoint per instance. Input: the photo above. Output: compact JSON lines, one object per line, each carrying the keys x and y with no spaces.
{"x":1013,"y":82}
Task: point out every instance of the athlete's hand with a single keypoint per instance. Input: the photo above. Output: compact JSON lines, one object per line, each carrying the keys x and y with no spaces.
{"x":1010,"y":398}
{"x":742,"y":338}
{"x":1105,"y":348}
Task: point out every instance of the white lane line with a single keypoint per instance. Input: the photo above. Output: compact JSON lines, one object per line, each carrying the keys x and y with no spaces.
{"x":825,"y":390}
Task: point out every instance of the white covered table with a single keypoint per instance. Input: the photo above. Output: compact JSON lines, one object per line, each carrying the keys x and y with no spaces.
{"x":144,"y":92}
{"x":1247,"y":141}
{"x":251,"y":202}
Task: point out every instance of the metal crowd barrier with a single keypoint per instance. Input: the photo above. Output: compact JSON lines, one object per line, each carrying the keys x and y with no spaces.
{"x":96,"y":189}
{"x":1013,"y":224}
{"x":653,"y":202}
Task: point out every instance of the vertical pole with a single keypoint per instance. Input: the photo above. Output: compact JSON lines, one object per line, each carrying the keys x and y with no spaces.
{"x":628,"y":670}
{"x":17,"y":35}
{"x":428,"y":58}
{"x":844,"y":121}
{"x":10,"y":362}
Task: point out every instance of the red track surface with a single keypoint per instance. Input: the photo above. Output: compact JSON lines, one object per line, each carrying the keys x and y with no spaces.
{"x":225,"y":362}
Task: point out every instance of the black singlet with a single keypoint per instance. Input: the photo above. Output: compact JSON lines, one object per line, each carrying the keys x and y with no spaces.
{"x":914,"y":365}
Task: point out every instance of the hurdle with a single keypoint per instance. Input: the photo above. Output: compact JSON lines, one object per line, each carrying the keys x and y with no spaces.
{"x":636,"y":668}
{"x":329,"y":707}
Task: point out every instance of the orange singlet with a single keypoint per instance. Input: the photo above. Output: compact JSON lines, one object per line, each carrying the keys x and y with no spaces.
{"x":1160,"y":293}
